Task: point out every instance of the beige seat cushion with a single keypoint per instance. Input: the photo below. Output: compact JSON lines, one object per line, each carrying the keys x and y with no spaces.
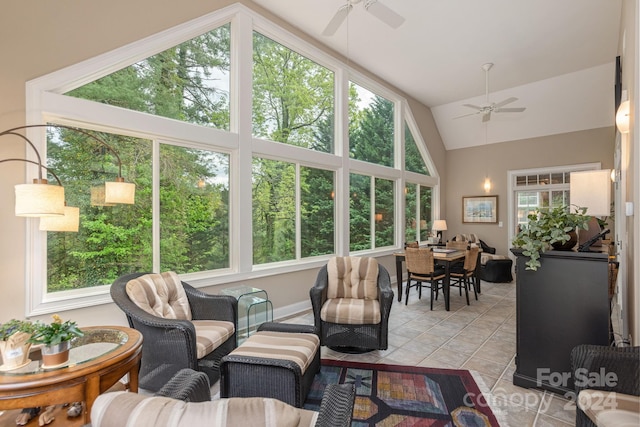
{"x":352,"y":277}
{"x":211,"y":334}
{"x":161,"y":295}
{"x":610,"y":409}
{"x":484,"y":257}
{"x":124,"y":409}
{"x":296,"y":347}
{"x":351,"y":311}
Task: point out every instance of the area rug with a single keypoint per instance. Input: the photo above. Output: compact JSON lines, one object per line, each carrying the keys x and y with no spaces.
{"x":395,"y":395}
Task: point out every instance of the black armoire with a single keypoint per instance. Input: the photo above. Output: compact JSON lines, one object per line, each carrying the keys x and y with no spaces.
{"x":562,"y":304}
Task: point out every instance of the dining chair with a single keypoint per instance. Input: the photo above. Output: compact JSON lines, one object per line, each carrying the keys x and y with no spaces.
{"x":422,"y":269}
{"x":464,"y":276}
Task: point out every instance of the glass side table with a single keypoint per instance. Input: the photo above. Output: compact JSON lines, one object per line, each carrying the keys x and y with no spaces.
{"x":255,"y":302}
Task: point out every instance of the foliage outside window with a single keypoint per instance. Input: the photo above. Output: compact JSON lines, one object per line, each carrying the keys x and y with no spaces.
{"x":293,"y":204}
{"x":194,"y":210}
{"x":371,"y":127}
{"x":418,"y":213}
{"x":413,"y":160}
{"x":189,"y":82}
{"x":292,"y":97}
{"x":112,"y":240}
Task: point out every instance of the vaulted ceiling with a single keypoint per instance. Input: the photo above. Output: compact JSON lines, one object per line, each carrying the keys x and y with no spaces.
{"x":556,"y":56}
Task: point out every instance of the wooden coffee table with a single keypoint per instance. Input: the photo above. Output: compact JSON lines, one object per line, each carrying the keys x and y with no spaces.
{"x":97,"y":361}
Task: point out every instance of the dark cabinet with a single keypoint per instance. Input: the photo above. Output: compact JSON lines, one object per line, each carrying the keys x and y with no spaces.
{"x":562,"y":304}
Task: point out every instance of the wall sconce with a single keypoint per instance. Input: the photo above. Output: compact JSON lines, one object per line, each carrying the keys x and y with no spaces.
{"x":439,"y":225}
{"x":591,"y":190}
{"x":487,"y":184}
{"x":118,"y":192}
{"x":622,"y":117}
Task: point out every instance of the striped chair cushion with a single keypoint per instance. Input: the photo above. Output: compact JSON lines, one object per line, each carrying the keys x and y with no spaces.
{"x":351,"y":311}
{"x":124,"y":409}
{"x":161,"y":295}
{"x":352,"y":277}
{"x":296,"y":347}
{"x":211,"y":334}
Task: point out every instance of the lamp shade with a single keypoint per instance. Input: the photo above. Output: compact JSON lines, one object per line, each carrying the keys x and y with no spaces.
{"x":39,"y":199}
{"x":439,"y":225}
{"x":119,"y":192}
{"x":98,"y":196}
{"x":622,"y":117}
{"x":591,"y":190}
{"x":70,"y":221}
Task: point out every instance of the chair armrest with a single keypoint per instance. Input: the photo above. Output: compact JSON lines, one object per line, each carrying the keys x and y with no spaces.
{"x":624,"y":362}
{"x":336,"y":408}
{"x":211,"y":307}
{"x":187,"y":385}
{"x":318,"y":293}
{"x":486,"y":248}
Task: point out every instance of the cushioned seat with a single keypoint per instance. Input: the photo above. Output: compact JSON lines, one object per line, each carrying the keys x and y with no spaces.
{"x":279,"y":361}
{"x":351,"y":301}
{"x":182,"y":327}
{"x":185,"y":401}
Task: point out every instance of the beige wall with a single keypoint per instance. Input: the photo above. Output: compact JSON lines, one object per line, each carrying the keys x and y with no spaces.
{"x":39,"y":37}
{"x":466,"y":169}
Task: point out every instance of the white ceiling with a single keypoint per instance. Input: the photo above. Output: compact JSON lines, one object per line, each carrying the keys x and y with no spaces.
{"x":556,"y":56}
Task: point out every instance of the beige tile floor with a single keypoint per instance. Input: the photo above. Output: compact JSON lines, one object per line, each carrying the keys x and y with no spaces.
{"x":480,"y":337}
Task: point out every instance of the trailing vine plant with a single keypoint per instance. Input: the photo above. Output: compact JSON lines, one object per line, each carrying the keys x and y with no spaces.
{"x":547,"y":226}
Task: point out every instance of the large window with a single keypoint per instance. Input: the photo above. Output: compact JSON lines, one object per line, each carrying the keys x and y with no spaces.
{"x":292,"y":97}
{"x":241,"y":164}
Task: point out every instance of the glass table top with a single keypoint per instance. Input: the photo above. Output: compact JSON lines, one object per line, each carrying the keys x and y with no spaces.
{"x":94,"y":343}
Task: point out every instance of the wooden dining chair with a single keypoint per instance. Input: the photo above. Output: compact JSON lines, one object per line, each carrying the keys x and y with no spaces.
{"x":422,"y":269}
{"x":464,"y":276}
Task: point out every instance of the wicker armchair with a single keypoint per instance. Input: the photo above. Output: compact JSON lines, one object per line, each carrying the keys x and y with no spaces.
{"x":624,"y":362}
{"x":190,"y":405}
{"x":351,"y":334}
{"x":171,"y":344}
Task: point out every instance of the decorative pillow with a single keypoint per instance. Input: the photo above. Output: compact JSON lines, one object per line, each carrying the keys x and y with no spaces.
{"x":124,"y":409}
{"x":352,"y":277}
{"x":161,"y":295}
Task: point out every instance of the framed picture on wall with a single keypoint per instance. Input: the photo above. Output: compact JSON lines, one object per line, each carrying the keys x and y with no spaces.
{"x":480,"y":209}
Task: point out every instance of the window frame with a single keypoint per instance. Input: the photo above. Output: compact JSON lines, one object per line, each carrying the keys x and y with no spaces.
{"x":45,"y":103}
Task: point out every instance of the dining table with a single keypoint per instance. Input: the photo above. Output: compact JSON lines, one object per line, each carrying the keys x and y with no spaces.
{"x":445,"y":256}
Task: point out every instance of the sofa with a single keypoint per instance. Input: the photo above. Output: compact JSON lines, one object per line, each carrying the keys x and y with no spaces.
{"x":493,"y":268}
{"x":185,"y":401}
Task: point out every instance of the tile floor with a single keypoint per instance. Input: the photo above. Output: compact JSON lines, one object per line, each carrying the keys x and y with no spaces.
{"x":480,"y":337}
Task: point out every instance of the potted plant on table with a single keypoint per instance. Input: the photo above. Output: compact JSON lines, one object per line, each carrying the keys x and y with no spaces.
{"x":14,"y":343}
{"x":550,"y":227}
{"x":55,"y":338}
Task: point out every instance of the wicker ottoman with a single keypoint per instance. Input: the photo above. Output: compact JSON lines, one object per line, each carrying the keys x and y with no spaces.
{"x":278,"y":361}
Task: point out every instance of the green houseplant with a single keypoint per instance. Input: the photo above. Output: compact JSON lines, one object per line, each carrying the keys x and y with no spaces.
{"x":55,"y":338}
{"x":547,"y":226}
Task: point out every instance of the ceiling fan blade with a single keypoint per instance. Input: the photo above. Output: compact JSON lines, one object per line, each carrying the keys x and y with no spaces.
{"x":505,"y":102}
{"x":467,"y":115}
{"x":510,"y":110}
{"x":486,"y":117}
{"x":477,"y":107}
{"x":383,"y":13}
{"x":337,"y":20}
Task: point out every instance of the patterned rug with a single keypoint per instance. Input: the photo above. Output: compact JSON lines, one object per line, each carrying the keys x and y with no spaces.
{"x":394,"y":395}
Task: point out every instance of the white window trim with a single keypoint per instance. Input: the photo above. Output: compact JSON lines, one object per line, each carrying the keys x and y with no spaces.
{"x":45,"y":103}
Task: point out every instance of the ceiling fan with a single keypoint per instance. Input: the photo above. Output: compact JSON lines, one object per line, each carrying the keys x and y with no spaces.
{"x":492,"y":107}
{"x":376,"y":8}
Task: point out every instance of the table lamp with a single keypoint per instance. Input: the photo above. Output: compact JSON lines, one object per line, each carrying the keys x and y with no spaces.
{"x":439,"y":225}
